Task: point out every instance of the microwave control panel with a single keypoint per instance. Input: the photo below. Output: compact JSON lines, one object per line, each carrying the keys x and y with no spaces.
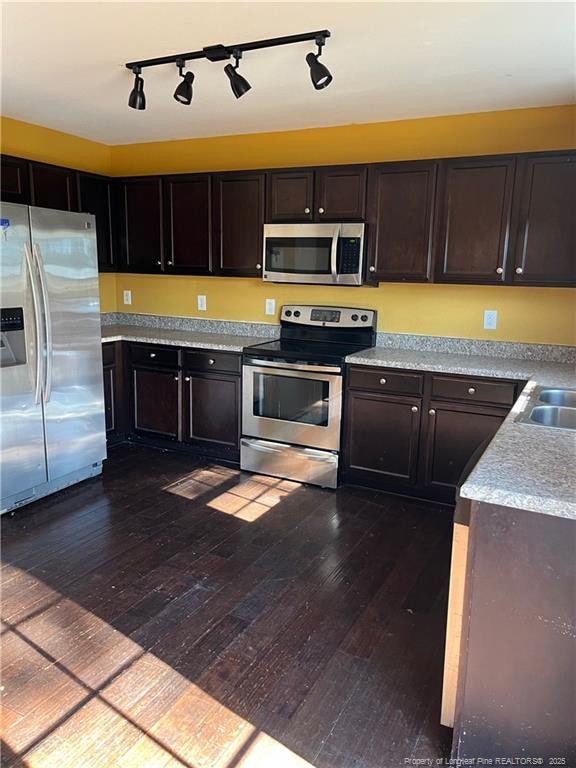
{"x":349,"y":252}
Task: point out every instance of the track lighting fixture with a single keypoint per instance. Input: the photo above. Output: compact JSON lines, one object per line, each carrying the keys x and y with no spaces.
{"x":319,"y":74}
{"x":183,"y":93}
{"x":137,"y":98}
{"x":238,"y":83}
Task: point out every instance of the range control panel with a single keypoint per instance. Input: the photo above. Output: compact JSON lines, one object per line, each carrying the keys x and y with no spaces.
{"x":334,"y":317}
{"x":12,"y":319}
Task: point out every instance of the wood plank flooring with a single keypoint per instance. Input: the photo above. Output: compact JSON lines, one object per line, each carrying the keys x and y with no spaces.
{"x":179,"y":613}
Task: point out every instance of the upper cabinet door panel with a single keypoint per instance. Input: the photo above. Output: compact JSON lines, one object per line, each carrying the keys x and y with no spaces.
{"x":188,"y":215}
{"x":15,"y":181}
{"x":400,"y":208}
{"x":473,"y":222}
{"x":53,"y":187}
{"x":238,"y":223}
{"x":142,"y":230}
{"x":95,"y":197}
{"x":340,"y":193}
{"x":290,"y":196}
{"x":546,"y":244}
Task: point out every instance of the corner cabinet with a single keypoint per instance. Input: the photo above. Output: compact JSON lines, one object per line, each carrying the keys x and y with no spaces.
{"x":237,"y":223}
{"x":95,"y":197}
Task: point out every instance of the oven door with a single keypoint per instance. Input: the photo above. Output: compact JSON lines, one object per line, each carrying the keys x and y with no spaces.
{"x":296,"y":404}
{"x":301,"y":253}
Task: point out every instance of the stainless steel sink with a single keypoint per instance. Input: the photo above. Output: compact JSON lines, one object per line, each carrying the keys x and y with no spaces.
{"x":554,"y":416}
{"x":565,"y":397}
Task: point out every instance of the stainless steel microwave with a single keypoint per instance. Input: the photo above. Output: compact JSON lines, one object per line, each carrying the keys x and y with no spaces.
{"x":324,"y":254}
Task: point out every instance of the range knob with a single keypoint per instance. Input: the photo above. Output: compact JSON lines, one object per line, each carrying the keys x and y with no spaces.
{"x":288,"y":313}
{"x":297,"y":313}
{"x":364,"y":318}
{"x":354,"y":317}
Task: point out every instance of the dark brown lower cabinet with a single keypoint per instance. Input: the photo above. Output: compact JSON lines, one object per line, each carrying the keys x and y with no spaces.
{"x":109,"y":409}
{"x":114,"y":391}
{"x":381,"y":438}
{"x":212,"y":413}
{"x":157,"y":402}
{"x":454,"y":433}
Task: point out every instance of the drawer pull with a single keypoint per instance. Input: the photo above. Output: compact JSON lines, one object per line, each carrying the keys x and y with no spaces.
{"x":320,"y":210}
{"x":176,"y":378}
{"x":159,"y":263}
{"x":306,"y":210}
{"x":152,"y":354}
{"x":170,"y":263}
{"x":414,"y":409}
{"x":211,"y":361}
{"x":471,"y":390}
{"x":382,"y":381}
{"x":432,"y":412}
{"x":186,"y":378}
{"x":499,"y":271}
{"x":519,"y":270}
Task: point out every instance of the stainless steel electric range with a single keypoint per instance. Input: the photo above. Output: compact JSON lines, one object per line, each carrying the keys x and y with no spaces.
{"x":292,"y":392}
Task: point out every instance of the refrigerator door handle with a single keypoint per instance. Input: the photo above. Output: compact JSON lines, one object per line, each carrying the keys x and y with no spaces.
{"x":37,"y":324}
{"x":47,"y":323}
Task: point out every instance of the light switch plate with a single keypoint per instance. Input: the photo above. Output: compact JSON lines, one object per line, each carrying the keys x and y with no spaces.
{"x":127,"y":297}
{"x":270,"y":307}
{"x":202,"y":303}
{"x":490,"y":319}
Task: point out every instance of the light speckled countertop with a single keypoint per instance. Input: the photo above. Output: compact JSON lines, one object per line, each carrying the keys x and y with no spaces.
{"x":525,"y":466}
{"x":226,"y":342}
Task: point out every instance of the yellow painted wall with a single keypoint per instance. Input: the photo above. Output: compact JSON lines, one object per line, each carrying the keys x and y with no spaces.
{"x":544,"y":315}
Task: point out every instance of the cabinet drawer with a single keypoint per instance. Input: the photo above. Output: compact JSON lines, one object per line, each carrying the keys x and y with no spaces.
{"x":209,"y":360}
{"x":109,"y":353}
{"x":473,"y":390}
{"x":386,"y":380}
{"x":151,"y":355}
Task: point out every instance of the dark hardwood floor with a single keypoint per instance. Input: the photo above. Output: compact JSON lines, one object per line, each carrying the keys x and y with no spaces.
{"x":179,"y":613}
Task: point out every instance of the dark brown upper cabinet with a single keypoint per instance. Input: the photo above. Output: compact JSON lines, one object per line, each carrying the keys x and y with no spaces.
{"x":95,"y":197}
{"x":400,"y":214}
{"x":141,"y":230}
{"x":14,"y":180}
{"x":187,"y":206}
{"x":473,"y":219}
{"x":545,"y":248}
{"x":238,"y":222}
{"x":53,"y":187}
{"x":325,"y":194}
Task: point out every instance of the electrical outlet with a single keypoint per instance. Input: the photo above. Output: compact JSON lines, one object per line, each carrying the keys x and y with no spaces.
{"x":127,"y":297}
{"x":202,"y":303}
{"x":490,"y":319}
{"x":270,"y":307}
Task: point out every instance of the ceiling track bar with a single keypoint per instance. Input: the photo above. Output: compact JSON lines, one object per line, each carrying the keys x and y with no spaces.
{"x":223,"y":52}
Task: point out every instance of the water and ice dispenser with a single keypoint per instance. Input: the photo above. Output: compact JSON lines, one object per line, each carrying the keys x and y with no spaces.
{"x":12,"y":339}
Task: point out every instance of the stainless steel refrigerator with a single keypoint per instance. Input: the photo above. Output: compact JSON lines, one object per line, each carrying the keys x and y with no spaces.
{"x":52,"y":428}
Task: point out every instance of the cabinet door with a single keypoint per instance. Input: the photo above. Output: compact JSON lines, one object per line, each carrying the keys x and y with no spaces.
{"x":95,"y":197}
{"x":14,"y":180}
{"x":290,"y":196}
{"x":473,"y":221}
{"x":238,"y":223}
{"x":382,"y":435}
{"x":545,"y":251}
{"x":400,"y":207}
{"x":157,"y":402}
{"x":340,"y":193}
{"x":142,"y":225}
{"x":187,"y":206}
{"x":454,"y":433}
{"x":212,"y":411}
{"x":109,"y":397}
{"x":53,"y":187}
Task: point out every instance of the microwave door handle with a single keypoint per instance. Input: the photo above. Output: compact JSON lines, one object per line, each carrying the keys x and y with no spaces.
{"x":334,"y":254}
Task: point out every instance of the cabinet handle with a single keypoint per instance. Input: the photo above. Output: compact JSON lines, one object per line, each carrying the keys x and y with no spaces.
{"x":186,"y":378}
{"x":471,"y":390}
{"x":372,"y":269}
{"x":320,"y":210}
{"x":211,"y":361}
{"x":258,"y":266}
{"x":414,"y":409}
{"x":176,"y":378}
{"x":306,"y":210}
{"x":382,"y":381}
{"x":432,"y":412}
{"x":159,"y":263}
{"x":170,"y":263}
{"x":152,"y":354}
{"x":499,"y":271}
{"x":519,"y":270}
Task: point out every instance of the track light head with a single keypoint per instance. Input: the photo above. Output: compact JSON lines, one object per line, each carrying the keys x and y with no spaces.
{"x":184,"y":92}
{"x":239,"y":84}
{"x":137,"y":98}
{"x":319,"y":74}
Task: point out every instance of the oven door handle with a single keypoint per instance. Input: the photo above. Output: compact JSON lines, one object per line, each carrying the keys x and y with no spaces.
{"x":294,"y":366}
{"x":334,"y":253}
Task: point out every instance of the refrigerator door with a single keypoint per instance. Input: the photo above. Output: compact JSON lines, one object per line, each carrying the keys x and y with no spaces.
{"x":64,"y":249}
{"x":22,"y":452}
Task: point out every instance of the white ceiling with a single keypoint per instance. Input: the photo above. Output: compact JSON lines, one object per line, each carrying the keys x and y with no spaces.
{"x":62,"y":63}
